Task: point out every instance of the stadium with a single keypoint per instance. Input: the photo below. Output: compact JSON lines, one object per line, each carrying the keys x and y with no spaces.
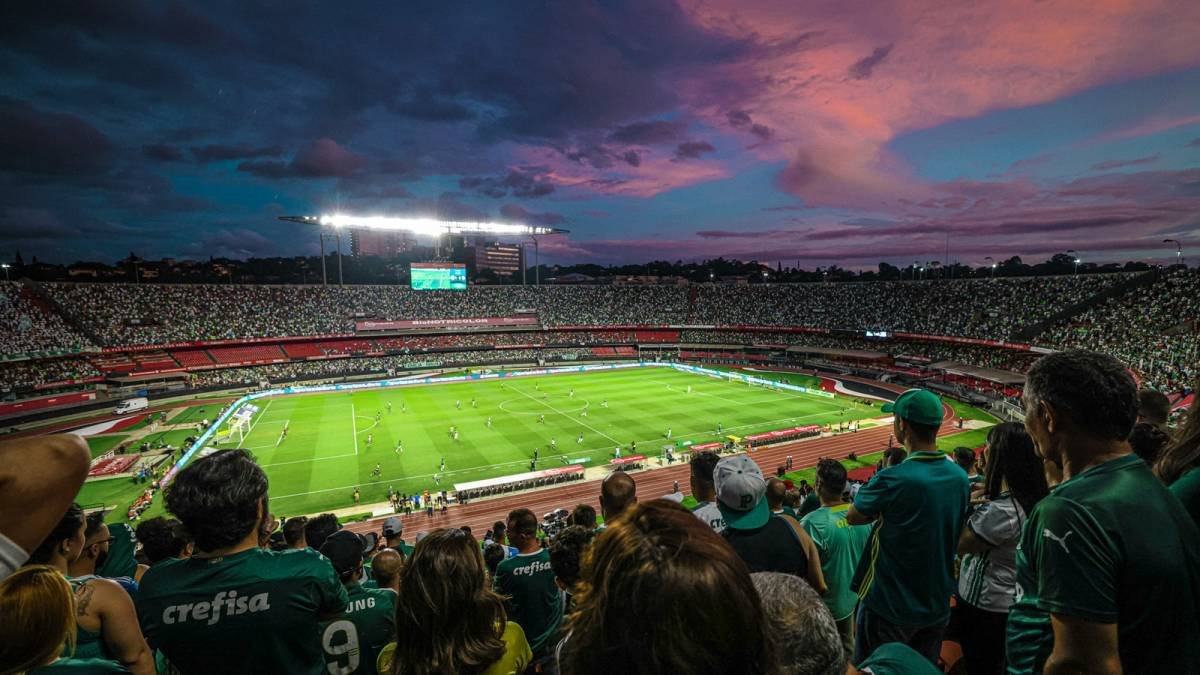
{"x":655,"y":339}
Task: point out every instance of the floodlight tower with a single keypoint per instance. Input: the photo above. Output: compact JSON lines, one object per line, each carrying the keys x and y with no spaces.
{"x":1178,"y":250}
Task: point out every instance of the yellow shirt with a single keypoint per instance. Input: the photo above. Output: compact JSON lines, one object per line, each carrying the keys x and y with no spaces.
{"x":514,"y":660}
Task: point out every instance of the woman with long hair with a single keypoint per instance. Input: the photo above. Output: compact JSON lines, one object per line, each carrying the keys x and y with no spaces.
{"x":106,"y":624}
{"x":987,"y":583}
{"x":448,"y":620}
{"x":657,"y":575}
{"x":1178,"y":466}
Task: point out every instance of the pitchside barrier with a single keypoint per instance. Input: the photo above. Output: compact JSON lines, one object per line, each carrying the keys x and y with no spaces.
{"x":234,"y":409}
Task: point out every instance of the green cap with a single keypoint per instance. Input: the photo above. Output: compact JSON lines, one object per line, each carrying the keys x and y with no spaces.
{"x":917,"y":405}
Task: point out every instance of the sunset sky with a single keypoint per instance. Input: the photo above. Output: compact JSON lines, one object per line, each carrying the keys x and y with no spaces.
{"x":813,"y":132}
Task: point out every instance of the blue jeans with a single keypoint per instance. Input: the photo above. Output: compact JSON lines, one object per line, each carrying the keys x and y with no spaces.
{"x":873,"y":630}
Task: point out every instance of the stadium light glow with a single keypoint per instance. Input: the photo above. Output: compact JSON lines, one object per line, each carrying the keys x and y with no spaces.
{"x":423,"y":226}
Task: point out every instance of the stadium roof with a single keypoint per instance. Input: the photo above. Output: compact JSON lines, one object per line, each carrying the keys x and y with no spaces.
{"x":426,"y":226}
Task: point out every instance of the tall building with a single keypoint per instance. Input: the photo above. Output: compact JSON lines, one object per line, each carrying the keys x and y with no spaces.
{"x":501,"y":258}
{"x":382,"y":243}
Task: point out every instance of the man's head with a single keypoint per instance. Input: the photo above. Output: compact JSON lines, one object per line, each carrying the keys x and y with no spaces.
{"x":386,"y":567}
{"x":1078,"y":398}
{"x":741,"y":493}
{"x":393,"y":531}
{"x":293,"y":532}
{"x":1153,"y":408}
{"x":702,"y":466}
{"x":493,"y":555}
{"x":318,"y":529}
{"x":95,"y":546}
{"x":500,"y":532}
{"x":893,"y":456}
{"x":522,"y":529}
{"x":345,"y":552}
{"x":804,"y":635}
{"x":965,"y":457}
{"x":776,"y":490}
{"x":831,"y":479}
{"x":220,"y":499}
{"x":163,"y":538}
{"x":917,"y":415}
{"x":584,"y":516}
{"x":566,"y":555}
{"x":617,"y":493}
{"x":1147,"y":441}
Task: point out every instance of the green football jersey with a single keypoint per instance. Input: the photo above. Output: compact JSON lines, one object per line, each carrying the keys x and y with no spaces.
{"x":80,"y":667}
{"x":121,"y":545}
{"x":353,"y":642}
{"x":1110,"y":546}
{"x":1187,"y":489}
{"x":258,"y":610}
{"x":532,"y":598}
{"x":841,"y":546}
{"x":897,"y":658}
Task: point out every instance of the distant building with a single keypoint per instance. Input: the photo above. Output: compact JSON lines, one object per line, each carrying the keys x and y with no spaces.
{"x":503,"y":259}
{"x":380,"y":243}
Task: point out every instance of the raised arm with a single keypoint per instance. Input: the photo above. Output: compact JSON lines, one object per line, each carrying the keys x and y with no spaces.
{"x":39,"y":478}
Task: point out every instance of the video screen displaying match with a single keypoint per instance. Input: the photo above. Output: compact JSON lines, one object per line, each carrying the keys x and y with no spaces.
{"x":438,"y":276}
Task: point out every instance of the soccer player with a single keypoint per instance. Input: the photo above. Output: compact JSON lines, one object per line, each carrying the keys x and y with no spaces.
{"x":399,"y":447}
{"x":370,"y":439}
{"x":443,"y":467}
{"x":233,"y":597}
{"x":668,"y":433}
{"x":378,"y":470}
{"x":458,"y":404}
{"x":617,"y":452}
{"x":353,"y":642}
{"x":437,"y":478}
{"x":689,"y":388}
{"x":720,"y":428}
{"x":572,"y":393}
{"x":389,"y":407}
{"x":356,"y":495}
{"x":378,"y":416}
{"x":489,"y":422}
{"x":283,"y":435}
{"x":580,"y":439}
{"x":541,"y":419}
{"x":456,"y":435}
{"x":604,"y":403}
{"x":553,"y":443}
{"x":403,"y":407}
{"x":535,"y":454}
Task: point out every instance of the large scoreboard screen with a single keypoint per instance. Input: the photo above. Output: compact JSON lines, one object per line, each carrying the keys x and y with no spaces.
{"x":438,"y":276}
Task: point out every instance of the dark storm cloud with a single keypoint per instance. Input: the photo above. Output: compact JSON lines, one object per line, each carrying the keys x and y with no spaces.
{"x":863,"y":68}
{"x":692,"y":149}
{"x":632,"y":158}
{"x":740,"y":119}
{"x":162,"y":152}
{"x":516,"y":213}
{"x":323,"y":159}
{"x":521,"y":183}
{"x":46,"y":142}
{"x":216,"y":153}
{"x":653,"y":132}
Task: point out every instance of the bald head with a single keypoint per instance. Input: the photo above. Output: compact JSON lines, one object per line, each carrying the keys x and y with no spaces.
{"x":386,"y":566}
{"x":617,"y":493}
{"x":776,"y":489}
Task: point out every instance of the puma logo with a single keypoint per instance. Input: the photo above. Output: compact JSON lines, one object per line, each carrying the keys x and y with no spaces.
{"x":1062,"y":541}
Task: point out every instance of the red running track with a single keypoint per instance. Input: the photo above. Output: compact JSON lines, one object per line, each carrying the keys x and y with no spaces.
{"x":480,"y":514}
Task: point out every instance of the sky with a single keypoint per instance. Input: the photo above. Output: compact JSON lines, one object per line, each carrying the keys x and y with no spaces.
{"x":811,"y":133}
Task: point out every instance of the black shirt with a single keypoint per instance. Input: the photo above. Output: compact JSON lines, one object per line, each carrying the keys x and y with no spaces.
{"x":774,"y":547}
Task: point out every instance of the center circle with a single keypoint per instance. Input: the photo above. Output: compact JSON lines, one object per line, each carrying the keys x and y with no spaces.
{"x":526,"y":406}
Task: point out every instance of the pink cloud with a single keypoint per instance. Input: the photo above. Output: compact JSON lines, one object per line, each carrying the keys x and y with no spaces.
{"x":656,"y":173}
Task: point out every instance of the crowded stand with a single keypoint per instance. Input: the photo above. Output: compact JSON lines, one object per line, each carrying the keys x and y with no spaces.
{"x":29,"y":326}
{"x":45,"y":373}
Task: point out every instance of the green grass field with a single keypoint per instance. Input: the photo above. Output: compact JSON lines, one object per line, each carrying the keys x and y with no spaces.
{"x":326,"y":453}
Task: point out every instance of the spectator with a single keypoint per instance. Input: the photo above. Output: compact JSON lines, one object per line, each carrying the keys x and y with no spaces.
{"x":385,"y":570}
{"x":163,"y":538}
{"x":121,"y":560}
{"x":37,"y":620}
{"x":921,"y":503}
{"x":447,"y":619}
{"x":500,"y":536}
{"x":765,"y":542}
{"x":584,"y":516}
{"x":704,"y":490}
{"x":526,"y":581}
{"x":106,"y":624}
{"x":293,"y":532}
{"x":987,"y":579}
{"x":840,"y":547}
{"x":617,"y":493}
{"x":492,"y":555}
{"x":652,"y":577}
{"x":97,"y":540}
{"x":353,"y":642}
{"x":1177,"y":467}
{"x":802,"y":632}
{"x":393,"y":533}
{"x":775,"y":494}
{"x":1147,"y":441}
{"x":965,"y":458}
{"x":317,"y":529}
{"x":566,"y":559}
{"x":230,"y":596}
{"x":1107,"y":562}
{"x":39,"y":478}
{"x":1153,"y":408}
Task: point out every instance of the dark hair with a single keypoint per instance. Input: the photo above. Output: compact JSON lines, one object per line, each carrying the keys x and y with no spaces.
{"x":217,"y":498}
{"x":566,"y":553}
{"x":524,"y":522}
{"x":658,"y":550}
{"x":447,"y":619}
{"x":832,"y":476}
{"x":293,"y":529}
{"x":499,"y":529}
{"x":584,"y":515}
{"x":922,"y":433}
{"x":71,"y":522}
{"x":1094,"y":391}
{"x":94,"y":522}
{"x":162,"y":538}
{"x":703,"y":464}
{"x":893,"y":456}
{"x":964,"y":457}
{"x":493,"y":555}
{"x":1011,"y":459}
{"x":776,"y":489}
{"x":1148,"y":440}
{"x":1154,"y":406}
{"x":467,"y":529}
{"x":1184,"y":453}
{"x":318,"y":529}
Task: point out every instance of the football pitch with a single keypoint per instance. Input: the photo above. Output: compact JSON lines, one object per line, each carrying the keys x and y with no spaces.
{"x":335,"y":440}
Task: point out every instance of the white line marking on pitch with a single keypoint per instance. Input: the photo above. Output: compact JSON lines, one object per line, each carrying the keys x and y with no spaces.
{"x":354,"y":426}
{"x":255,"y":423}
{"x":585,"y":426}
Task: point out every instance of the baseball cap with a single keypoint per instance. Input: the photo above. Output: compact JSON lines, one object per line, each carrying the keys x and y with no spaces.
{"x":917,"y":405}
{"x":345,"y":550}
{"x":740,"y":491}
{"x":392,"y":527}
